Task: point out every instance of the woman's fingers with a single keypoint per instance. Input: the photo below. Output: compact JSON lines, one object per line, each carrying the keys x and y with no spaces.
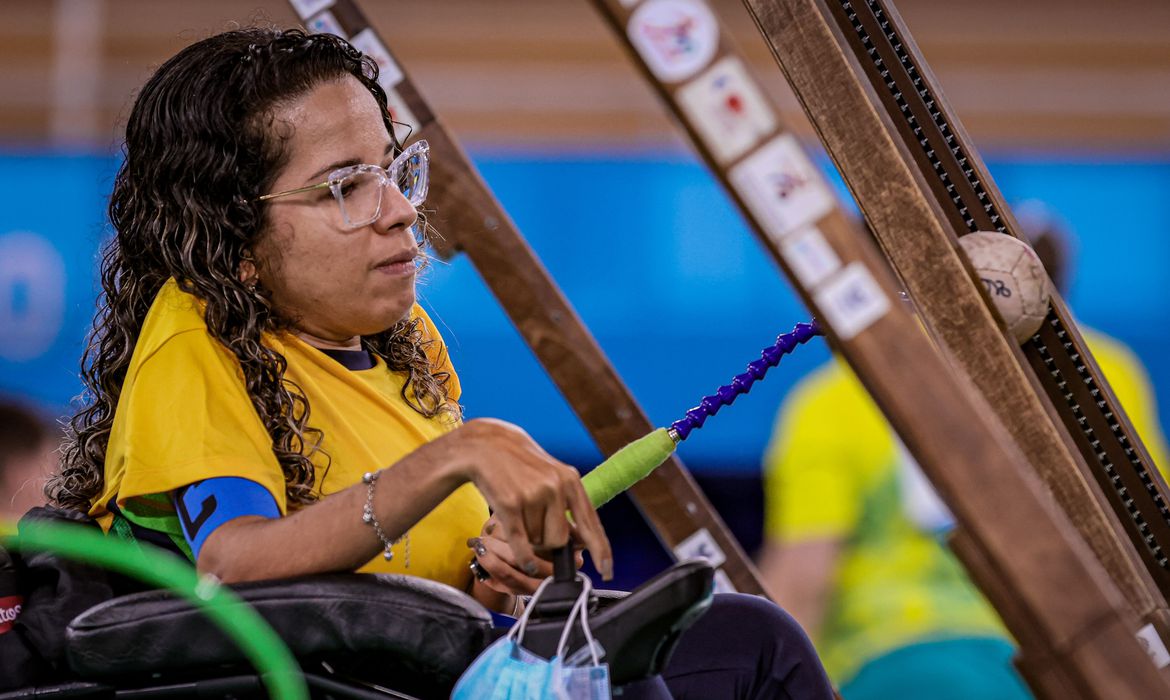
{"x":517,"y":535}
{"x":534,"y":521}
{"x":532,"y":493}
{"x":556,"y":528}
{"x":589,"y":528}
{"x":498,"y":560}
{"x":501,"y":551}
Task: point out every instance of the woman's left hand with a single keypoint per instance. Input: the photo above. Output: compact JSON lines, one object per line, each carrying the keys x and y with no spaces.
{"x":497,"y":559}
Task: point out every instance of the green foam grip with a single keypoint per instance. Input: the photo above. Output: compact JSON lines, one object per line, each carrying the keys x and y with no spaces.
{"x":628,"y":466}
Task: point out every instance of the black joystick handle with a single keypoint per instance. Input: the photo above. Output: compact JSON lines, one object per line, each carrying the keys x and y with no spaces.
{"x":560,"y":595}
{"x":564,"y":565}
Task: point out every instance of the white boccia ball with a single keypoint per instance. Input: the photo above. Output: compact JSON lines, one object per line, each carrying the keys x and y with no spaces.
{"x":1014,"y":278}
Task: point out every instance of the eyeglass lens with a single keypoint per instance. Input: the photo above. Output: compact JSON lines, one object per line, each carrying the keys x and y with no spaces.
{"x":410,"y":176}
{"x":361,"y":197}
{"x":361,"y":192}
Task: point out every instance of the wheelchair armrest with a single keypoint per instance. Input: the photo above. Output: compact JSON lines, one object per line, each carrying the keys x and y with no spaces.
{"x":606,"y":598}
{"x":415,"y":627}
{"x":403,"y":629}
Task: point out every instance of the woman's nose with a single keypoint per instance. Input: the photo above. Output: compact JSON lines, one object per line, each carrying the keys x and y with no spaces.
{"x":397,"y":212}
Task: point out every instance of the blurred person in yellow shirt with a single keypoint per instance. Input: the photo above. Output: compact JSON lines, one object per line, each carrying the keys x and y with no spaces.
{"x":854,"y":533}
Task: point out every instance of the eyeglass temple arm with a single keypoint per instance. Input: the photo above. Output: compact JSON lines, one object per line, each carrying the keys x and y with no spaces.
{"x":274,"y":195}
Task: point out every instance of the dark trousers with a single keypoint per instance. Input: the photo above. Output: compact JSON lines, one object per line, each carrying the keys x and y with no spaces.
{"x":743,"y":648}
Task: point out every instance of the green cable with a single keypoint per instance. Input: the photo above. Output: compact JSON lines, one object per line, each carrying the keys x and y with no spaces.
{"x":260,"y":644}
{"x":628,"y":466}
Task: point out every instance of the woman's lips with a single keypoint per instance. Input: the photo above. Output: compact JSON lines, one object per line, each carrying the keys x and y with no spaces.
{"x":398,"y":268}
{"x":398,"y":264}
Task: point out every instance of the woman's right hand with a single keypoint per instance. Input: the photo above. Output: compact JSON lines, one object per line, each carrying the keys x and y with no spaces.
{"x":529,"y":491}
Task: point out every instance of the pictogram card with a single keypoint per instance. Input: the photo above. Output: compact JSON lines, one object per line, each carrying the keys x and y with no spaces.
{"x":700,"y":545}
{"x":782,"y":187}
{"x":325,"y":23}
{"x":308,"y":8}
{"x":810,"y":256}
{"x":389,"y":74}
{"x":852,"y":300}
{"x":727,"y":109}
{"x":677,"y":38}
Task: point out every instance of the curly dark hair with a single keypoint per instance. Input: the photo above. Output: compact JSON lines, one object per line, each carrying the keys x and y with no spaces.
{"x":200,"y":147}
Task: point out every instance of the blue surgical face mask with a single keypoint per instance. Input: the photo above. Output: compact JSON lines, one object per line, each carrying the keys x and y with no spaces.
{"x":508,"y":671}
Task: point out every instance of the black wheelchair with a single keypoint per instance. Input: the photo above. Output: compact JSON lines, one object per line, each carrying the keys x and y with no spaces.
{"x":357,"y":636}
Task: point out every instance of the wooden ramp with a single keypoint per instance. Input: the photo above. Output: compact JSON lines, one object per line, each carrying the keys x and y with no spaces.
{"x":1062,"y":518}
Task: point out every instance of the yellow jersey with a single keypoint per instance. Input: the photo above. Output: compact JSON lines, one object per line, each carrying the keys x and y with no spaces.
{"x":835,"y":470}
{"x":184,"y":415}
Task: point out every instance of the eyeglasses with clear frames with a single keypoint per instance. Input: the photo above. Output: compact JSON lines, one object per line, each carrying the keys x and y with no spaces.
{"x":358,"y":188}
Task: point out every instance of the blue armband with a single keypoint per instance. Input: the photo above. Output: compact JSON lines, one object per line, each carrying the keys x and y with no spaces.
{"x":205,"y":505}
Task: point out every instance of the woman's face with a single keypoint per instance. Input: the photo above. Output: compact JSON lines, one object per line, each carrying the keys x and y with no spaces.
{"x":335,"y":284}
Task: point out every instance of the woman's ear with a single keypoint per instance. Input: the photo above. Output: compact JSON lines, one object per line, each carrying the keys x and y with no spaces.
{"x":246,"y":272}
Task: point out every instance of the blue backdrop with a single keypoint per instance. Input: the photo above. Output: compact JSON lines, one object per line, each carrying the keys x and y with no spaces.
{"x":646,"y":247}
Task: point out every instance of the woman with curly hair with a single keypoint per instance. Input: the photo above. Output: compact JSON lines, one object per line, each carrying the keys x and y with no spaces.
{"x":274,"y":341}
{"x":266,"y":397}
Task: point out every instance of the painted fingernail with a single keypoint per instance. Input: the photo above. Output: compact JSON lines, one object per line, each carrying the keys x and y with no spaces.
{"x":472,"y":542}
{"x":490,"y":527}
{"x":530,"y":568}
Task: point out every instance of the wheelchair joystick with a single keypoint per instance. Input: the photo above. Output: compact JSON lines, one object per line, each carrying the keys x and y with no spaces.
{"x":564,"y":565}
{"x":558,"y":599}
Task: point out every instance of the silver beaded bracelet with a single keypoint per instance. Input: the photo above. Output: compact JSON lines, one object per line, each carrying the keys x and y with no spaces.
{"x":370,"y":479}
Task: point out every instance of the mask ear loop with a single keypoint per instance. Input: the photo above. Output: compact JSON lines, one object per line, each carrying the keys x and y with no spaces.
{"x":581,"y":607}
{"x":516,"y":634}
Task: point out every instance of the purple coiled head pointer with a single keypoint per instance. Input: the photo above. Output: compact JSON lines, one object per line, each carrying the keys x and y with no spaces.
{"x":769,"y":358}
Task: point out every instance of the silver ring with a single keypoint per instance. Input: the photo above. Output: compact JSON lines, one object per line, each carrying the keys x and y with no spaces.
{"x":480,"y":573}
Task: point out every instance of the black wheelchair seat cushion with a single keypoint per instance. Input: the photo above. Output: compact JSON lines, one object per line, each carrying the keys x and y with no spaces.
{"x":400,"y":624}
